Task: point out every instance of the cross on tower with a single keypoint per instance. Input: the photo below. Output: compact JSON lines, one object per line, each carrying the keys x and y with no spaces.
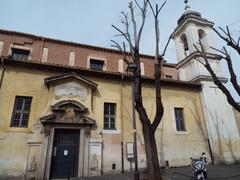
{"x":186,"y":5}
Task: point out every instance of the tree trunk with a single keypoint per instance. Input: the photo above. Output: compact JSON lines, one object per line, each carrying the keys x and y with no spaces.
{"x":151,"y":153}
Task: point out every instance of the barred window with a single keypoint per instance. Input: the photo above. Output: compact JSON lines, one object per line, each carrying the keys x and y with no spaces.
{"x":180,"y":125}
{"x":96,"y":64}
{"x":168,"y":76}
{"x":21,"y":111}
{"x":20,"y":54}
{"x":109,"y":115}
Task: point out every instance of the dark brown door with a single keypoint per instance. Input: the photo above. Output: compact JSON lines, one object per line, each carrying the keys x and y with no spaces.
{"x":65,"y":154}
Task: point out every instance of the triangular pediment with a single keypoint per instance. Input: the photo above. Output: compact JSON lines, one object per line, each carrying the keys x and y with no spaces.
{"x":61,"y":78}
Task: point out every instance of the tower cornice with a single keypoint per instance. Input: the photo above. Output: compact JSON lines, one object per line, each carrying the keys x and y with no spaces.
{"x":199,"y":21}
{"x":196,"y":55}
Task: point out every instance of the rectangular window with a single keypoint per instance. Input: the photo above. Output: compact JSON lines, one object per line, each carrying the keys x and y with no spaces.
{"x":20,"y":54}
{"x":21,"y":111}
{"x":109,"y":115}
{"x":96,"y":64}
{"x":168,"y":76}
{"x":180,"y":125}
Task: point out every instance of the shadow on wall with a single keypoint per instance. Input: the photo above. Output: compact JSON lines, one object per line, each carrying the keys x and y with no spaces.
{"x":224,"y":144}
{"x":201,"y":125}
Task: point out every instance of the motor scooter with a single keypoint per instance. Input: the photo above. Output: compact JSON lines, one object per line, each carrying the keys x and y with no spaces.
{"x":199,"y":168}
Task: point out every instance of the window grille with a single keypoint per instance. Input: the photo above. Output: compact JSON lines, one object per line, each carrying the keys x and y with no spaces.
{"x":21,"y":111}
{"x":96,"y":64}
{"x":109,"y":115}
{"x":180,"y":125}
{"x":19,"y":54}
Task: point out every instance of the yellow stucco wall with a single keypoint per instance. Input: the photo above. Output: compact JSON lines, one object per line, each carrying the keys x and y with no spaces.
{"x":14,"y":144}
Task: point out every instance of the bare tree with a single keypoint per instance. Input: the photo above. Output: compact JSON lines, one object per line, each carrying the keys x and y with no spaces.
{"x":226,"y":36}
{"x":132,"y":34}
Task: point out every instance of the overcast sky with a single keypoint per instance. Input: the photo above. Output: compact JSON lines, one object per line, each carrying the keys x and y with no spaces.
{"x":89,"y":21}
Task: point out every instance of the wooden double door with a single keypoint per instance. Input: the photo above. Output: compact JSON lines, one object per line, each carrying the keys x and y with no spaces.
{"x":64,"y":162}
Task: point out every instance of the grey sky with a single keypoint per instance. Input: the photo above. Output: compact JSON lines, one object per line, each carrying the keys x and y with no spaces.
{"x":89,"y":21}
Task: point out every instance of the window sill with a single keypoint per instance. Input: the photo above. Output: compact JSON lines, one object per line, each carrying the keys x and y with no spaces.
{"x":111,"y":131}
{"x":181,"y":132}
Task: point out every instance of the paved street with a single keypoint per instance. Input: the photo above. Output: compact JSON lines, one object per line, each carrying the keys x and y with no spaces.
{"x":230,"y":172}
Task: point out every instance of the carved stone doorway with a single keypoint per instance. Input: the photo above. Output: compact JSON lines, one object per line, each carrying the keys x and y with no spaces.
{"x":66,"y":122}
{"x":64,"y":162}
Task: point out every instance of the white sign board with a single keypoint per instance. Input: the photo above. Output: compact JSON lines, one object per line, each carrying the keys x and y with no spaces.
{"x":130,"y":153}
{"x":65,"y":153}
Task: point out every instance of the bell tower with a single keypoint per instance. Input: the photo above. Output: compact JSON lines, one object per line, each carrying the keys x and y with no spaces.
{"x":219,"y":117}
{"x":191,"y":28}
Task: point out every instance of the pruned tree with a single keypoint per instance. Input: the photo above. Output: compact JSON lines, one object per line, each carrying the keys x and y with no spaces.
{"x":222,"y":54}
{"x":132,"y":35}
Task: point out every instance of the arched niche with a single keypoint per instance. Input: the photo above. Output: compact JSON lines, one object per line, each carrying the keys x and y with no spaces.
{"x":185,"y":45}
{"x":203,"y":38}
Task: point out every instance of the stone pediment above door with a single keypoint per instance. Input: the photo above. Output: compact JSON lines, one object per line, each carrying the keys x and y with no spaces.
{"x":58,"y":79}
{"x":71,"y":86}
{"x":68,"y":112}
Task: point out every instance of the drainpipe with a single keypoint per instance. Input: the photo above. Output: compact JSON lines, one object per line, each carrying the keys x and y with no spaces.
{"x":3,"y":72}
{"x":122,"y":152}
{"x":102,"y":147}
{"x":210,"y":151}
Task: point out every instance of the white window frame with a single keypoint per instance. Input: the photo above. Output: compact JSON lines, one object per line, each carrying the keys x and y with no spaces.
{"x":97,"y":58}
{"x":14,"y":46}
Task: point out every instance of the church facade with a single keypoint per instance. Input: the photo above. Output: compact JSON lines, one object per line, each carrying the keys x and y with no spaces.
{"x":66,"y":108}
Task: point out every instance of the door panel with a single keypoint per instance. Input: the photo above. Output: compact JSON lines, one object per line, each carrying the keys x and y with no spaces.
{"x":65,"y":154}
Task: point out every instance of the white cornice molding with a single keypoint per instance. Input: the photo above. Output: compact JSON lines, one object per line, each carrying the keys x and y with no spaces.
{"x":194,"y":55}
{"x":180,"y":27}
{"x":208,"y":78}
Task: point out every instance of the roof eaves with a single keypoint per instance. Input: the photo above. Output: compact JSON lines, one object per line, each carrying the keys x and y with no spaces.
{"x":103,"y":74}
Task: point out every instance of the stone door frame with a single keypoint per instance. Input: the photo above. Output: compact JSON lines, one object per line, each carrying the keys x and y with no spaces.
{"x":83,"y":162}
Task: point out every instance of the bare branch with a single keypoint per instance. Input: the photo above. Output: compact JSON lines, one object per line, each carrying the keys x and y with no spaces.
{"x":215,"y":49}
{"x":138,"y":5}
{"x":165,"y":48}
{"x":233,"y":76}
{"x":123,"y":51}
{"x":197,"y":49}
{"x":220,"y":85}
{"x":127,"y":29}
{"x":199,"y":61}
{"x":223,"y":31}
{"x":158,"y":69}
{"x":133,"y":22}
{"x":116,"y":45}
{"x":144,"y":11}
{"x":150,"y":4}
{"x":158,"y":11}
{"x":124,"y":35}
{"x":229,"y":36}
{"x":118,"y":35}
{"x":230,"y":42}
